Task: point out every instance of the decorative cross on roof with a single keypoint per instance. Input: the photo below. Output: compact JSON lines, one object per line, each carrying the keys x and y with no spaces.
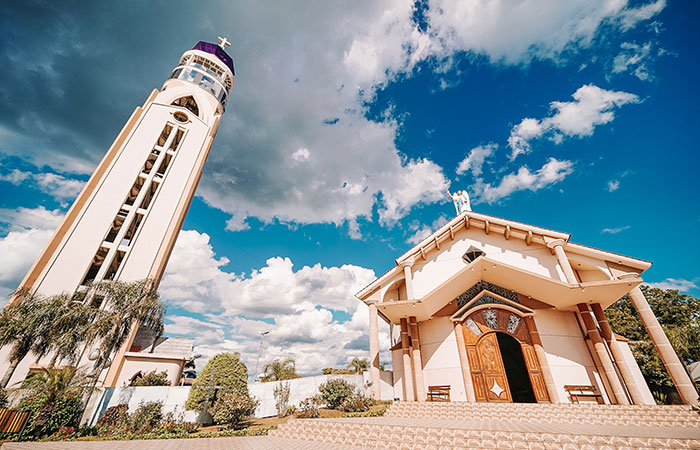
{"x":224,"y":43}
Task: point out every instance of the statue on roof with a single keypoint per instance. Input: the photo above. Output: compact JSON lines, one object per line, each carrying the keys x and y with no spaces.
{"x":460,"y":200}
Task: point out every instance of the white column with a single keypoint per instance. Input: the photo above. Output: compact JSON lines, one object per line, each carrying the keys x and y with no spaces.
{"x":673,"y":365}
{"x":464,"y":361}
{"x":557,"y":246}
{"x":374,"y":375}
{"x":417,"y":360}
{"x":408,"y":275}
{"x":408,"y":393}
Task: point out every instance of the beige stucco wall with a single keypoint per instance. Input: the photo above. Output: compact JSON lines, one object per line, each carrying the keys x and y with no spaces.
{"x":439,"y":266}
{"x":637,"y":373}
{"x":134,"y":364}
{"x":567,"y":353}
{"x":440,"y":356}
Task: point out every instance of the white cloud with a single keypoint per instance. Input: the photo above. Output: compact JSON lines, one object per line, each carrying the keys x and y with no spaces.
{"x":301,"y":155}
{"x":234,"y":308}
{"x":421,"y":232}
{"x":677,"y":284}
{"x":615,"y":230}
{"x":613,"y":185}
{"x":28,"y":232}
{"x":550,"y":173}
{"x":592,"y":106}
{"x":517,"y":32}
{"x":57,"y":186}
{"x":634,"y":57}
{"x":474,"y":161}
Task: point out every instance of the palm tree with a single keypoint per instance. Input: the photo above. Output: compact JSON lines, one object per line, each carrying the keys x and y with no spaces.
{"x":280,"y":370}
{"x":125,"y":305}
{"x":20,"y":328}
{"x":55,"y":383}
{"x":358,"y":365}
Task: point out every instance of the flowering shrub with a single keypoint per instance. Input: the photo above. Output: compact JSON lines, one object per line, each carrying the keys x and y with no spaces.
{"x":355,"y":403}
{"x":47,"y":418}
{"x":146,"y":417}
{"x":308,"y":408}
{"x":64,"y":433}
{"x":114,"y":421}
{"x":334,"y":392}
{"x":233,"y":407}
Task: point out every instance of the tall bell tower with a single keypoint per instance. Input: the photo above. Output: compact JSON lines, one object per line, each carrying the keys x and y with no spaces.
{"x":125,"y":222}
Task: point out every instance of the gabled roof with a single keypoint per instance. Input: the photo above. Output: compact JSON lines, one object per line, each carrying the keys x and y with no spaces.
{"x":508,"y":229}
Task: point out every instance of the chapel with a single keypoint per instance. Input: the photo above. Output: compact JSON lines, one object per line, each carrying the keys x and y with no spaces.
{"x":492,"y":310}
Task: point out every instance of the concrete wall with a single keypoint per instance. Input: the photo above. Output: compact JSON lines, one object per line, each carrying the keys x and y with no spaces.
{"x":567,"y":352}
{"x":173,"y":398}
{"x":441,"y":365}
{"x":303,"y":388}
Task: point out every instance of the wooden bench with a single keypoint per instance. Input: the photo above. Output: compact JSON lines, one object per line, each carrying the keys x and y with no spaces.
{"x":439,"y":393}
{"x":12,"y":421}
{"x":577,"y":393}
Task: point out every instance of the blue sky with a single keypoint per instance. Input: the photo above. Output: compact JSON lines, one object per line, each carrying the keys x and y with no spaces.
{"x":343,"y":130}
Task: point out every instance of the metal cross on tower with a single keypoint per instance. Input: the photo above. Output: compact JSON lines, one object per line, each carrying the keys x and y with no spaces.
{"x":223,"y":43}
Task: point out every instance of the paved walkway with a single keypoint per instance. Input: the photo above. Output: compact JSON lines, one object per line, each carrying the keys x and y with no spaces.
{"x":229,"y":443}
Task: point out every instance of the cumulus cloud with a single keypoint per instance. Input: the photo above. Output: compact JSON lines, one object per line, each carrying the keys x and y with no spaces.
{"x":550,"y":173}
{"x":421,"y":232}
{"x":592,"y":106}
{"x":56,"y":185}
{"x":298,"y":307}
{"x":298,"y":87}
{"x":615,"y":230}
{"x":677,"y":284}
{"x":474,"y":161}
{"x":28,"y":231}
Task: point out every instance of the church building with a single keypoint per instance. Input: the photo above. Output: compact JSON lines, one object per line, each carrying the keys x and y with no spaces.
{"x":499,"y":311}
{"x":124,"y":223}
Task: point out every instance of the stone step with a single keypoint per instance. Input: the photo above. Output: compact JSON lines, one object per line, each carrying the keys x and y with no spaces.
{"x":378,"y":434}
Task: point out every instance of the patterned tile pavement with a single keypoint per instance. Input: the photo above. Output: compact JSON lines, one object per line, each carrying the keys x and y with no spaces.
{"x":233,"y":443}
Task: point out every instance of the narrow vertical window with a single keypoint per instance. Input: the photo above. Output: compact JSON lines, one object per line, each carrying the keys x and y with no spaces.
{"x":95,"y":265}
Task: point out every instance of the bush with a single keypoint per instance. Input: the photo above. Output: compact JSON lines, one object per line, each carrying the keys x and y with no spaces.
{"x":281,"y":394}
{"x":153,"y":379}
{"x":229,"y":371}
{"x":3,"y":399}
{"x":356,"y":403}
{"x":146,"y":417}
{"x":232,"y":408}
{"x":47,"y":418}
{"x":114,"y":421}
{"x":308,"y":409}
{"x":334,"y":392}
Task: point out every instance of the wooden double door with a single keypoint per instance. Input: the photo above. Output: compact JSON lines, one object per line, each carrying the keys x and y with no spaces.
{"x":494,"y":359}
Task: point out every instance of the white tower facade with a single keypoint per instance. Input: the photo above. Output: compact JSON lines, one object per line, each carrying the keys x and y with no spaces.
{"x":125,"y":222}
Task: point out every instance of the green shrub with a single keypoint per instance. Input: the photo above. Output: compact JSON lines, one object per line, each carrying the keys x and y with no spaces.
{"x":229,"y":371}
{"x":146,"y":417}
{"x":334,"y":392}
{"x":356,"y":403}
{"x":281,"y":394}
{"x":232,"y":408}
{"x":308,"y":409}
{"x":153,"y":379}
{"x":3,"y":399}
{"x":114,"y":421}
{"x":47,"y":418}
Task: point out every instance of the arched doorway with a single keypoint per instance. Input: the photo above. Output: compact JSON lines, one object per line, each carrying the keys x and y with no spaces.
{"x":502,"y":360}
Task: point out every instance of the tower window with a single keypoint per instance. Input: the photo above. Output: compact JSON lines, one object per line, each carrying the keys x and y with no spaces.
{"x":116,"y":226}
{"x":134,"y":191}
{"x":114,"y":266}
{"x":188,"y":103}
{"x":181,"y":117}
{"x":164,"y":135}
{"x":164,"y":165}
{"x":148,"y":165}
{"x":150,"y":193}
{"x":177,"y":139}
{"x":131,"y":232}
{"x":95,"y":266}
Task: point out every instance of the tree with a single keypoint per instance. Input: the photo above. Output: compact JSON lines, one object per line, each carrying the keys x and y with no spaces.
{"x":279,"y":370}
{"x":679,"y":316}
{"x":335,"y":392}
{"x":233,"y":407}
{"x":358,"y":365}
{"x":228,"y":370}
{"x":281,"y":394}
{"x":126,"y":304}
{"x":20,"y":328}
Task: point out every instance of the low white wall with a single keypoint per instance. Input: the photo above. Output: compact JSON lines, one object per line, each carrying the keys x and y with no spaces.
{"x":299,"y":390}
{"x":173,"y":398}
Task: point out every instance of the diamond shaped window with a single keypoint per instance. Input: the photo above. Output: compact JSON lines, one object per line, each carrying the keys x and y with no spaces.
{"x":472,"y":254}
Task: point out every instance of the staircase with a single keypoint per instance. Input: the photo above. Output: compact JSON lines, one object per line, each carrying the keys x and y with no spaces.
{"x":459,"y":425}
